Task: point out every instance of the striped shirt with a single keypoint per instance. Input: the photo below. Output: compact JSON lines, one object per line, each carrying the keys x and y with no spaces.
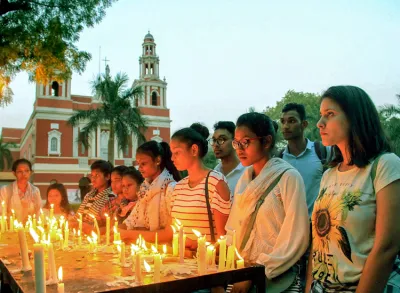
{"x":189,"y":204}
{"x":92,"y":204}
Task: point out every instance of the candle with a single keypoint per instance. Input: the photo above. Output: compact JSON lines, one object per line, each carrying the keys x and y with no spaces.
{"x":156,"y":241}
{"x":51,"y":211}
{"x":60,"y":285}
{"x":230,"y":261}
{"x":116,"y":223}
{"x":66,"y":235}
{"x":90,"y":244}
{"x":80,"y":222}
{"x":26,"y":266}
{"x":42,"y":217}
{"x":79,"y":239}
{"x":96,"y":226}
{"x":34,"y":221}
{"x":210,"y":256}
{"x":116,"y":235}
{"x":222,"y":254}
{"x":181,"y":243}
{"x":3,"y":215}
{"x":201,"y":252}
{"x":38,"y":256}
{"x":11,"y":224}
{"x":138,"y":267}
{"x":157,"y":267}
{"x":175,"y":242}
{"x":94,"y":240}
{"x":51,"y":262}
{"x":107,"y":229}
{"x":122,"y":256}
{"x":240,"y":261}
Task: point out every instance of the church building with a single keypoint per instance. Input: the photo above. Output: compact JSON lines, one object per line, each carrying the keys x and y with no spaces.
{"x":52,"y":145}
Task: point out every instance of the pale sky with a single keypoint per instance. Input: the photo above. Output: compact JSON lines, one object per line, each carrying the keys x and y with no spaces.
{"x":222,"y":57}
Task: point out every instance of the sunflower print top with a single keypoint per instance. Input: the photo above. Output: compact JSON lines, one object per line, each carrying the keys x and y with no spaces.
{"x":343,"y":222}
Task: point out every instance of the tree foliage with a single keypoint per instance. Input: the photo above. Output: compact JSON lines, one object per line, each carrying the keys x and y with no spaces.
{"x":6,"y":158}
{"x":116,"y":111}
{"x":390,"y":118}
{"x":39,"y":36}
{"x":310,"y":101}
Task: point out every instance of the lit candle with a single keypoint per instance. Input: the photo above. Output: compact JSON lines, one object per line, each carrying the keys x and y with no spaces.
{"x":12,"y":223}
{"x":3,"y":215}
{"x":230,"y":261}
{"x":66,"y":235}
{"x":181,"y":242}
{"x":138,"y":267}
{"x":79,"y":238}
{"x":34,"y":222}
{"x":175,"y":242}
{"x":51,"y":211}
{"x":51,"y":262}
{"x":116,"y":223}
{"x":240,"y":261}
{"x":157,"y":265}
{"x":60,"y":285}
{"x":156,"y":241}
{"x":94,"y":240}
{"x":122,"y":257}
{"x":38,"y":256}
{"x":96,"y":226}
{"x":26,"y":266}
{"x":90,"y":244}
{"x":42,"y":216}
{"x":201,"y":252}
{"x":210,"y":256}
{"x":107,"y":229}
{"x":80,"y":222}
{"x":116,"y":235}
{"x":222,"y":254}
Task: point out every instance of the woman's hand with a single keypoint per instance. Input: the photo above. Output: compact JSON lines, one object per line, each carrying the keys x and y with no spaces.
{"x":241,"y":287}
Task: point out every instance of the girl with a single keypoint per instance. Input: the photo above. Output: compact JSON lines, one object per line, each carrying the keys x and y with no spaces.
{"x":279,"y":234}
{"x":57,"y":195}
{"x":131,"y":181}
{"x":21,"y":196}
{"x":355,"y":230}
{"x":155,"y":165}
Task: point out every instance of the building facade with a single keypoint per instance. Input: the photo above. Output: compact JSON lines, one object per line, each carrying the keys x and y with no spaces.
{"x":51,"y":144}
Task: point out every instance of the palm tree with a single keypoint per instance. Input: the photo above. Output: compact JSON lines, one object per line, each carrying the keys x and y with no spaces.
{"x":117,"y":111}
{"x":5,"y":154}
{"x":390,"y":117}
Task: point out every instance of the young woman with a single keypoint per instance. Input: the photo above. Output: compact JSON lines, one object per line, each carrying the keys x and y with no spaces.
{"x":57,"y":195}
{"x":355,"y":221}
{"x":131,"y":181}
{"x":155,"y":165}
{"x":280,"y":234}
{"x":95,"y":200}
{"x":21,"y":196}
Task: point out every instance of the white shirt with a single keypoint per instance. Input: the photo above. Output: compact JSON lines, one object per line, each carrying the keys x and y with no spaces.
{"x":232,"y":177}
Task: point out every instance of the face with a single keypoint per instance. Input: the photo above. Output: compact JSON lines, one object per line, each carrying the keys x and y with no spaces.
{"x":22,"y":173}
{"x":116,"y":184}
{"x":54,"y":197}
{"x":182,"y":155}
{"x":221,"y":143}
{"x":129,"y":188}
{"x":333,"y":124}
{"x":98,"y":179}
{"x":292,"y":126}
{"x":254,"y":151}
{"x":149,"y":167}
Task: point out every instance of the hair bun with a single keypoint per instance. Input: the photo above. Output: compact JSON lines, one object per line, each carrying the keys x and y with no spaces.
{"x":201,"y":129}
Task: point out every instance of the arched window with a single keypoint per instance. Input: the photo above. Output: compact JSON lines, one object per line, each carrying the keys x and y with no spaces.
{"x":154,"y":101}
{"x":53,"y":144}
{"x":54,"y":89}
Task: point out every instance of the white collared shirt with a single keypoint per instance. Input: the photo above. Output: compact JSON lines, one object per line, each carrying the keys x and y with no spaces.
{"x":232,"y":177}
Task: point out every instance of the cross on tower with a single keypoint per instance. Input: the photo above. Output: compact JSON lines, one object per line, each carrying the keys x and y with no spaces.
{"x":105,"y":61}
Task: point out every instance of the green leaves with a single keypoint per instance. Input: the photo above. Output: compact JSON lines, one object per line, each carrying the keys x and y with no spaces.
{"x":6,"y":158}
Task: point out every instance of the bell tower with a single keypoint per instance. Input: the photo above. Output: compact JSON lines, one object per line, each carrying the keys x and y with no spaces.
{"x":54,"y":89}
{"x":154,"y":88}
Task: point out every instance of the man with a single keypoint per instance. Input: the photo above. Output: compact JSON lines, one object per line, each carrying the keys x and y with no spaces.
{"x":306,"y":156}
{"x":221,"y":143}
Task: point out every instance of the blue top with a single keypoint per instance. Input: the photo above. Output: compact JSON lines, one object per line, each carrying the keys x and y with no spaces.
{"x":310,"y":167}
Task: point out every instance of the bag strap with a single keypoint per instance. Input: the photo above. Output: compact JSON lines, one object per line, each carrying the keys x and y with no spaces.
{"x":258,"y":205}
{"x":210,"y":219}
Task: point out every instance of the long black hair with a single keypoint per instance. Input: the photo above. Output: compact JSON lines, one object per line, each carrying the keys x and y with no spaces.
{"x":160,"y":149}
{"x":195,"y":134}
{"x":64,"y":205}
{"x":366,"y":136}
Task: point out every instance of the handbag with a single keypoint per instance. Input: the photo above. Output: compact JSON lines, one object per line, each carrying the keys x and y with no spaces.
{"x":210,"y":219}
{"x":284,"y":280}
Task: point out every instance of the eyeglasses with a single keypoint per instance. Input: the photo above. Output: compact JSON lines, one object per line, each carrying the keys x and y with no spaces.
{"x":243,"y":143}
{"x":219,"y":141}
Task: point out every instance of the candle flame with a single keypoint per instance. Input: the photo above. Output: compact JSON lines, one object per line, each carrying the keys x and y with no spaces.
{"x":3,"y":202}
{"x":173,"y":229}
{"x":93,"y":217}
{"x":222,"y":237}
{"x":79,"y":233}
{"x":164,"y":248}
{"x":115,"y":230}
{"x":208,"y":243}
{"x":144,"y":245}
{"x":106,"y":215}
{"x":197,"y":233}
{"x":115,"y":218}
{"x":237,"y":253}
{"x":146,"y":266}
{"x":12,"y":210}
{"x":52,"y":205}
{"x":66,"y":225}
{"x":178,"y":222}
{"x":89,"y":239}
{"x":34,"y":235}
{"x":60,"y":274}
{"x":41,"y":229}
{"x":41,"y":211}
{"x":94,"y":236}
{"x":211,"y":247}
{"x":134,"y":249}
{"x":119,"y":247}
{"x":74,"y":231}
{"x":154,"y":249}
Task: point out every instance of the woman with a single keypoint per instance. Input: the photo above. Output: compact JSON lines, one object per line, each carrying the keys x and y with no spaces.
{"x":21,"y":196}
{"x":131,"y":181}
{"x":95,"y":200}
{"x":280,"y":233}
{"x":355,"y":221}
{"x":58,"y":197}
{"x":155,"y":165}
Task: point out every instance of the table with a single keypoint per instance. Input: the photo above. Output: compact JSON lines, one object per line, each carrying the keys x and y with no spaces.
{"x":84,"y":272}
